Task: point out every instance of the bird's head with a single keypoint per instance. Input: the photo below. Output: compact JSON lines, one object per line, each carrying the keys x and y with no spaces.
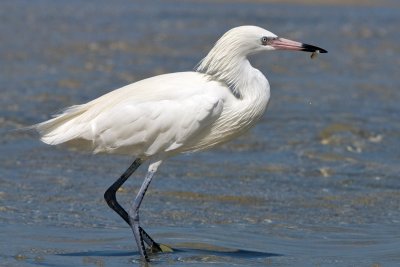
{"x":226,"y":59}
{"x":237,"y":43}
{"x":247,"y":40}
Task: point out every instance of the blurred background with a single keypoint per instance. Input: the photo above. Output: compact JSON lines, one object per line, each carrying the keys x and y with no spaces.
{"x":315,"y":183}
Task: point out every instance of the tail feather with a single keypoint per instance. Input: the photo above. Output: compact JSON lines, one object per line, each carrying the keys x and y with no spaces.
{"x":63,"y":127}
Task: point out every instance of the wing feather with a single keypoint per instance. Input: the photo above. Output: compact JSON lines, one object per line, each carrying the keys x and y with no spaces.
{"x":162,"y":113}
{"x":152,"y":127}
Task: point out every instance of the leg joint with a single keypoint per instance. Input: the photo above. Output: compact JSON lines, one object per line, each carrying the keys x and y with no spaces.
{"x":133,"y":215}
{"x":109,"y":195}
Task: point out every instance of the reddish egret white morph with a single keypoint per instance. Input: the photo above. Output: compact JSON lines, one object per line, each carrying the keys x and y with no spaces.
{"x":159,"y":117}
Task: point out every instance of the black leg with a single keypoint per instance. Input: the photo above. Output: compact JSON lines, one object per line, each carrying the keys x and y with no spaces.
{"x":110,"y":196}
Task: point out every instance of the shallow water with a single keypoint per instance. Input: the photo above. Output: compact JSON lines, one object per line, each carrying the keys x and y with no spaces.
{"x":315,"y":183}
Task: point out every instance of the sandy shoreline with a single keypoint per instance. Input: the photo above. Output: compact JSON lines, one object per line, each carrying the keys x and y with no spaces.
{"x":388,"y":3}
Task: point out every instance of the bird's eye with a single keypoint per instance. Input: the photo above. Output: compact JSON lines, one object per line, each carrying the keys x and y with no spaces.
{"x":264,"y":40}
{"x":267,"y":40}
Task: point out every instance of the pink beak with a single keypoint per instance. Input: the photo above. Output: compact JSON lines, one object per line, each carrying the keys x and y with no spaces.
{"x":286,"y":44}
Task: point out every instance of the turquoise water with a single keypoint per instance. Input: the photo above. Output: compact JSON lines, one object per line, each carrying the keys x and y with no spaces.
{"x":315,"y":183}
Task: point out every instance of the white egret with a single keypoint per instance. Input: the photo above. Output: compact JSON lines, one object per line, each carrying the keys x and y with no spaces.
{"x":159,"y":117}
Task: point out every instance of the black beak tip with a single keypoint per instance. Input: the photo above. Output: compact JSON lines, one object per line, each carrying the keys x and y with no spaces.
{"x":311,"y":48}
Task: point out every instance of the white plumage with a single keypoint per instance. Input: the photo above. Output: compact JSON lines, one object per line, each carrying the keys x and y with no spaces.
{"x":170,"y":113}
{"x":161,"y":116}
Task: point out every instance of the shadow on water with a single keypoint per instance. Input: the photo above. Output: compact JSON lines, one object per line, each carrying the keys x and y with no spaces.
{"x":237,"y":253}
{"x":100,"y":253}
{"x":192,"y":249}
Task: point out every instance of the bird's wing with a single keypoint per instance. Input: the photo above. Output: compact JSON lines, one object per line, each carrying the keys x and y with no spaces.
{"x":151,"y":127}
{"x":161,"y":113}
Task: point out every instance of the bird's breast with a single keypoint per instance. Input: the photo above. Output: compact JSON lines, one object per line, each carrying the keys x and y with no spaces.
{"x":238,"y":116}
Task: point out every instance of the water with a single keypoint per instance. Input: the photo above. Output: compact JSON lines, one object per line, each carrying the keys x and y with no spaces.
{"x":316,"y":183}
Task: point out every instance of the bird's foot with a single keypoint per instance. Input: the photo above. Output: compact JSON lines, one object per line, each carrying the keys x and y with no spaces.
{"x":157,"y":248}
{"x":146,"y":244}
{"x":153,"y":246}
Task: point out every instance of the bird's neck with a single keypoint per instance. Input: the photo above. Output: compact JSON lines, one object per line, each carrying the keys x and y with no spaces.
{"x":235,"y":71}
